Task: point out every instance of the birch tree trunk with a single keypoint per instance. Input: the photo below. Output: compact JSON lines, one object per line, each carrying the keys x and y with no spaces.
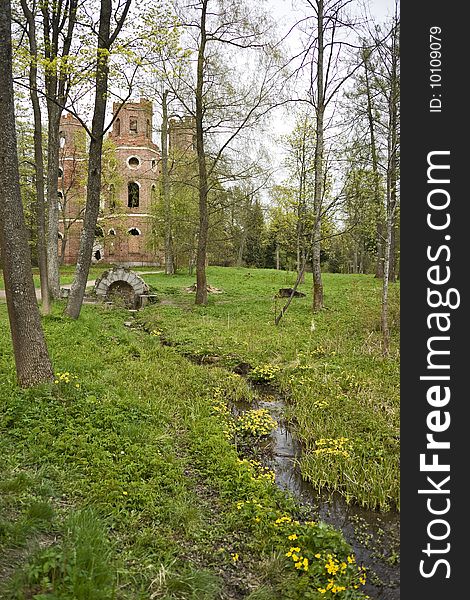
{"x":169,"y":259}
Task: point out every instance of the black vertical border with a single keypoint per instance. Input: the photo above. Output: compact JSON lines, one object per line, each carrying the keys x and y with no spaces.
{"x":421,"y":133}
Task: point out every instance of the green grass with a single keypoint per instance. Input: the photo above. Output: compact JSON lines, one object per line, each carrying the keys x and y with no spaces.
{"x":118,"y":481}
{"x":330,"y":367}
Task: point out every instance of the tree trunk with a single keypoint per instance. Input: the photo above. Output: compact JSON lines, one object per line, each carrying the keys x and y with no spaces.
{"x":392,"y":273}
{"x":379,"y":266}
{"x":316,"y":269}
{"x":319,"y":150}
{"x":392,"y":167}
{"x":169,"y":259}
{"x":58,"y":22}
{"x":31,"y":357}
{"x":52,"y":198}
{"x":63,"y":246}
{"x":241,"y":249}
{"x":201,"y":279}
{"x":385,"y":285}
{"x":278,"y":257}
{"x":87,"y":238}
{"x":38,"y":161}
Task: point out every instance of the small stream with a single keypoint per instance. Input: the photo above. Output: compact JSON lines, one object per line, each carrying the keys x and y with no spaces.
{"x":372,"y":535}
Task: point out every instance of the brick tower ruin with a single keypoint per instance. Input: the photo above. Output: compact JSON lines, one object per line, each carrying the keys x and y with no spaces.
{"x":129,"y":186}
{"x":71,"y":186}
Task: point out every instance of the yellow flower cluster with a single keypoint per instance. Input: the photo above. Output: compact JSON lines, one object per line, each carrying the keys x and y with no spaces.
{"x":256,"y":422}
{"x":259,"y":471}
{"x":67,"y":378}
{"x":333,"y":565}
{"x":338,"y":574}
{"x":265,"y":373}
{"x":300,"y":562}
{"x":241,"y":503}
{"x":332,"y":586}
{"x":320,"y":403}
{"x":318,"y":351}
{"x":156,"y":332}
{"x":235,"y":557}
{"x":340,"y":446}
{"x":283,"y":520}
{"x":300,"y":379}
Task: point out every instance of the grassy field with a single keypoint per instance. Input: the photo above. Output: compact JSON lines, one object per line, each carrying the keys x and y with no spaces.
{"x":343,"y":395}
{"x":118,"y":481}
{"x":121,"y":480}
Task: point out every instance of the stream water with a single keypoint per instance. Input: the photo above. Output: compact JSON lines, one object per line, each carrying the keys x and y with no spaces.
{"x":373,"y":536}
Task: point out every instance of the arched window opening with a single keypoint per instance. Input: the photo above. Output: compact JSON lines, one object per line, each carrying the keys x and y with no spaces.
{"x":154,"y":164}
{"x":61,"y":172}
{"x":60,"y":236}
{"x":117,"y":126}
{"x":61,"y":139}
{"x":133,"y":231}
{"x":133,"y":125}
{"x":99,"y":231}
{"x":133,"y":194}
{"x":111,"y":232}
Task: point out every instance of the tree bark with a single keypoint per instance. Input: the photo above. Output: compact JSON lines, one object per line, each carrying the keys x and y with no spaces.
{"x":52,"y":198}
{"x":169,"y":259}
{"x":31,"y":357}
{"x":38,"y":161}
{"x":201,"y":279}
{"x":316,"y":268}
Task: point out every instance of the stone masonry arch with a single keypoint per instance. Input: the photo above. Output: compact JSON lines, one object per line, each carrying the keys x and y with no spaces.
{"x":123,"y":283}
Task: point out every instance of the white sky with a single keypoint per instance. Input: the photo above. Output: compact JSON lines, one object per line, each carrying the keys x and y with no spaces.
{"x":287,"y":13}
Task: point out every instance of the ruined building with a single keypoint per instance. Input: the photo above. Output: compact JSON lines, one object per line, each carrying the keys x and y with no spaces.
{"x":130,"y":184}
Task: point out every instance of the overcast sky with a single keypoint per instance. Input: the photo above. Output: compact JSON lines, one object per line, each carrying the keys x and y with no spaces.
{"x":380,"y":9}
{"x":287,"y":13}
